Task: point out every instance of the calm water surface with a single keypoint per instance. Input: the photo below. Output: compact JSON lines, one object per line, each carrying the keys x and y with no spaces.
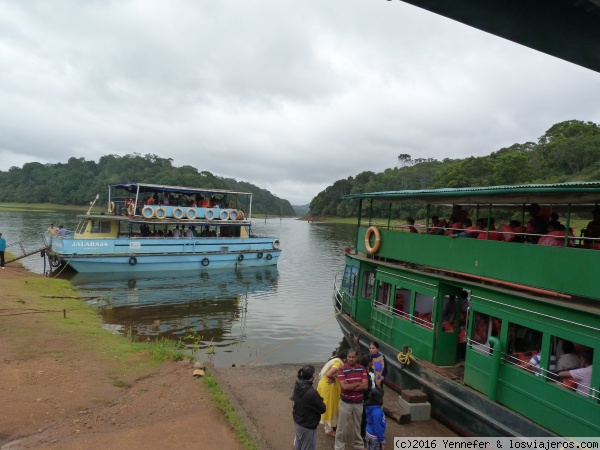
{"x":281,"y":314}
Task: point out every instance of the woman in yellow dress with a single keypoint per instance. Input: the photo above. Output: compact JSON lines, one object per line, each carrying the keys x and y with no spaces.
{"x":329,"y":389}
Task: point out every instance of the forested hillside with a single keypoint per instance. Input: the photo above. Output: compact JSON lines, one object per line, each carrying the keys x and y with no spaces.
{"x":78,"y":181}
{"x":568,"y":151}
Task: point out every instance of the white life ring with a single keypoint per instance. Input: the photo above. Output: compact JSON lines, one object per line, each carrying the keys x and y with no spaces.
{"x":148,"y":212}
{"x":209,"y":214}
{"x":111,"y":207}
{"x":131,"y":209}
{"x":191,"y":213}
{"x":240,"y":215}
{"x":178,"y":213}
{"x":276,"y":244}
{"x":160,"y":213}
{"x":224,"y":215}
{"x":233,"y":215}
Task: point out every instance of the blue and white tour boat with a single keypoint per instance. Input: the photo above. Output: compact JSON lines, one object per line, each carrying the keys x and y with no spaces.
{"x":152,"y":227}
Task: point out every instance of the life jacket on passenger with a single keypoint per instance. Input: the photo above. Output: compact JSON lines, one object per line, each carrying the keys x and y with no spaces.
{"x":204,"y":204}
{"x":493,"y":235}
{"x":554,"y":239}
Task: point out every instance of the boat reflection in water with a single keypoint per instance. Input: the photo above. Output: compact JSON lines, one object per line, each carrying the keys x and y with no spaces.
{"x":198,"y":308}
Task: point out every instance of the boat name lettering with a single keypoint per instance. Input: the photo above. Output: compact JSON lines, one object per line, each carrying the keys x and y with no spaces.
{"x":90,"y":244}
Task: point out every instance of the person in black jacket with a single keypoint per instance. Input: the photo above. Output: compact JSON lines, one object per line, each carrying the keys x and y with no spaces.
{"x":308,"y":407}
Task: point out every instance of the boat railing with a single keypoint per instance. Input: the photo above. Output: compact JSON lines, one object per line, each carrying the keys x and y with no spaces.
{"x":337,"y":292}
{"x":421,"y":319}
{"x":502,"y":234}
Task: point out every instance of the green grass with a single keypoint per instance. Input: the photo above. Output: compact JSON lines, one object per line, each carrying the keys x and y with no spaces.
{"x":233,"y":419}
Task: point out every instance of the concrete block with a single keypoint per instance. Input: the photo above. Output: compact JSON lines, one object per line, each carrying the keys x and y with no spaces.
{"x":418,"y":411}
{"x":414,"y":396}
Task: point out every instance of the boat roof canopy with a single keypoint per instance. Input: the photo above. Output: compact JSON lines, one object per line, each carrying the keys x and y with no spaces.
{"x":578,"y":193}
{"x":145,"y":188}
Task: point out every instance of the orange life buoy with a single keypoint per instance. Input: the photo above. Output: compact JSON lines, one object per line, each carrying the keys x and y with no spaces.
{"x":372,"y":230}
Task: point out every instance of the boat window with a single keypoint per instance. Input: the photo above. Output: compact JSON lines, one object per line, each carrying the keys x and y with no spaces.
{"x":402,"y":302}
{"x":483,"y":327}
{"x":367,"y":284}
{"x":568,"y":358}
{"x":350,"y":280}
{"x":423,"y":310}
{"x":523,"y":344}
{"x":100,"y":226}
{"x":384,"y":291}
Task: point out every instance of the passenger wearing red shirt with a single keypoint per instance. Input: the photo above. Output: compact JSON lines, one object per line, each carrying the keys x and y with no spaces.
{"x":354,"y":381}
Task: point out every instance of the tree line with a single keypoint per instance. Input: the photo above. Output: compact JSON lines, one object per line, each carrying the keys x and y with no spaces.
{"x":78,"y":181}
{"x":568,"y":151}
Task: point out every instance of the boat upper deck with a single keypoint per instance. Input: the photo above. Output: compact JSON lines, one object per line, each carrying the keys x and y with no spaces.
{"x":533,"y":255}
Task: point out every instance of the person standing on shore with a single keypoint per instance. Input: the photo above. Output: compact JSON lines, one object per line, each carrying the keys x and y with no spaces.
{"x":354,"y":381}
{"x":308,"y":407}
{"x":329,"y":388}
{"x":2,"y":249}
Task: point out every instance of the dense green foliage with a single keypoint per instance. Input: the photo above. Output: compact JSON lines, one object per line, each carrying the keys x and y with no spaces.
{"x":568,"y":151}
{"x":78,"y":181}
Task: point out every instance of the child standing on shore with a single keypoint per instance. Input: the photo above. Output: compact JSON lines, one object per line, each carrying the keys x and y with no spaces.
{"x":376,"y":425}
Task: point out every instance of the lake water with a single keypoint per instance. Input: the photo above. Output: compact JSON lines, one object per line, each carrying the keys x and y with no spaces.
{"x":281,"y":314}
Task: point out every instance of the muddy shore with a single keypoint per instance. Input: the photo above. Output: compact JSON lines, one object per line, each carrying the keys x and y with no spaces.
{"x":59,"y":389}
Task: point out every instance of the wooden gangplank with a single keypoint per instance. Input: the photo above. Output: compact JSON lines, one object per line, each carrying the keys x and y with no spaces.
{"x":28,"y":253}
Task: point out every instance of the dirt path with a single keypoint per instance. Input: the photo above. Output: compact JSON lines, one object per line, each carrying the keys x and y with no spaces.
{"x":58,"y":391}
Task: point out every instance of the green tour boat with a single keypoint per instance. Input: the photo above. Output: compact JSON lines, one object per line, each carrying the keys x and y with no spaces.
{"x":487,"y":302}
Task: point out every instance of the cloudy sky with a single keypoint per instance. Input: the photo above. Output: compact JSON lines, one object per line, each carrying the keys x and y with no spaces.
{"x":289,"y":95}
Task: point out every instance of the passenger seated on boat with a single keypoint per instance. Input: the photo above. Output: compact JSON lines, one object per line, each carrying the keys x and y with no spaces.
{"x":165,"y":200}
{"x":151,"y":201}
{"x":411,"y":225}
{"x":438,"y":226}
{"x":399,"y":304}
{"x":170,"y":233}
{"x":534,"y":364}
{"x":479,"y":329}
{"x":515,"y":232}
{"x":469,"y":231}
{"x":583,"y":376}
{"x":537,"y":224}
{"x":592,"y":230}
{"x":493,"y":235}
{"x":458,"y":214}
{"x":62,"y":231}
{"x":160,"y":234}
{"x":569,"y":359}
{"x":556,"y":223}
{"x":188,"y":233}
{"x":176,"y":232}
{"x":553,"y":238}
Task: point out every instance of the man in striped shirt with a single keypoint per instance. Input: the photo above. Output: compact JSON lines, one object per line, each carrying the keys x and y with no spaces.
{"x":354,"y":381}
